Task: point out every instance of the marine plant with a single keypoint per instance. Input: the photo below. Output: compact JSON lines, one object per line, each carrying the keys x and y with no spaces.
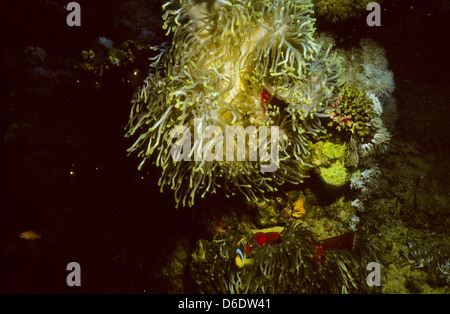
{"x":233,"y":63}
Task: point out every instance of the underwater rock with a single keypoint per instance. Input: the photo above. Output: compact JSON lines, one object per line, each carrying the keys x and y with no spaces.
{"x":341,"y":210}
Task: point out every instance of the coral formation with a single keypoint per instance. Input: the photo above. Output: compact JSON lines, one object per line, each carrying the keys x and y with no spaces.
{"x":332,"y":150}
{"x":373,"y":139}
{"x":340,"y":10}
{"x":335,"y":175}
{"x":299,"y":209}
{"x":105,"y":56}
{"x":367,"y":69}
{"x":353,"y":111}
{"x":365,"y":182}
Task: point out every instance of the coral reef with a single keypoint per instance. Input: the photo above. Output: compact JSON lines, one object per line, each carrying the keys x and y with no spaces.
{"x":252,"y":65}
{"x":362,"y":149}
{"x":402,"y":215}
{"x":365,"y":182}
{"x":106,"y":56}
{"x":174,"y":270}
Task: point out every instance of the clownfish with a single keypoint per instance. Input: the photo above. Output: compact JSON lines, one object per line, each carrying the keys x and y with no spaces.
{"x":241,"y":254}
{"x":258,"y":239}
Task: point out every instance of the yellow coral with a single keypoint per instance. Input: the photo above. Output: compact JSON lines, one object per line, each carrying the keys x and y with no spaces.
{"x":129,"y":55}
{"x":299,"y":209}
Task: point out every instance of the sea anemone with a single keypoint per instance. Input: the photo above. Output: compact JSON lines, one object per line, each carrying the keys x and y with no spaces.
{"x":251,"y":65}
{"x":298,"y":264}
{"x":280,"y":268}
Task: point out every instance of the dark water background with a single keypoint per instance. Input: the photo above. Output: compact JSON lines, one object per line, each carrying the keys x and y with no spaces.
{"x":64,"y":167}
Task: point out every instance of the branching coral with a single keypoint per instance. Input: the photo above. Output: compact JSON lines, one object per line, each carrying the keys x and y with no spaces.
{"x":245,"y":64}
{"x":353,"y":111}
{"x":368,"y":136}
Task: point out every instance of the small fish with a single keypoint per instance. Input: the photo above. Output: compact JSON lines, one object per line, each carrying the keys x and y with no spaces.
{"x":241,"y":254}
{"x":30,"y":235}
{"x":245,"y":247}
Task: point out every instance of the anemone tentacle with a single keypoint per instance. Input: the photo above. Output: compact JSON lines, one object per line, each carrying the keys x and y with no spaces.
{"x":223,"y":58}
